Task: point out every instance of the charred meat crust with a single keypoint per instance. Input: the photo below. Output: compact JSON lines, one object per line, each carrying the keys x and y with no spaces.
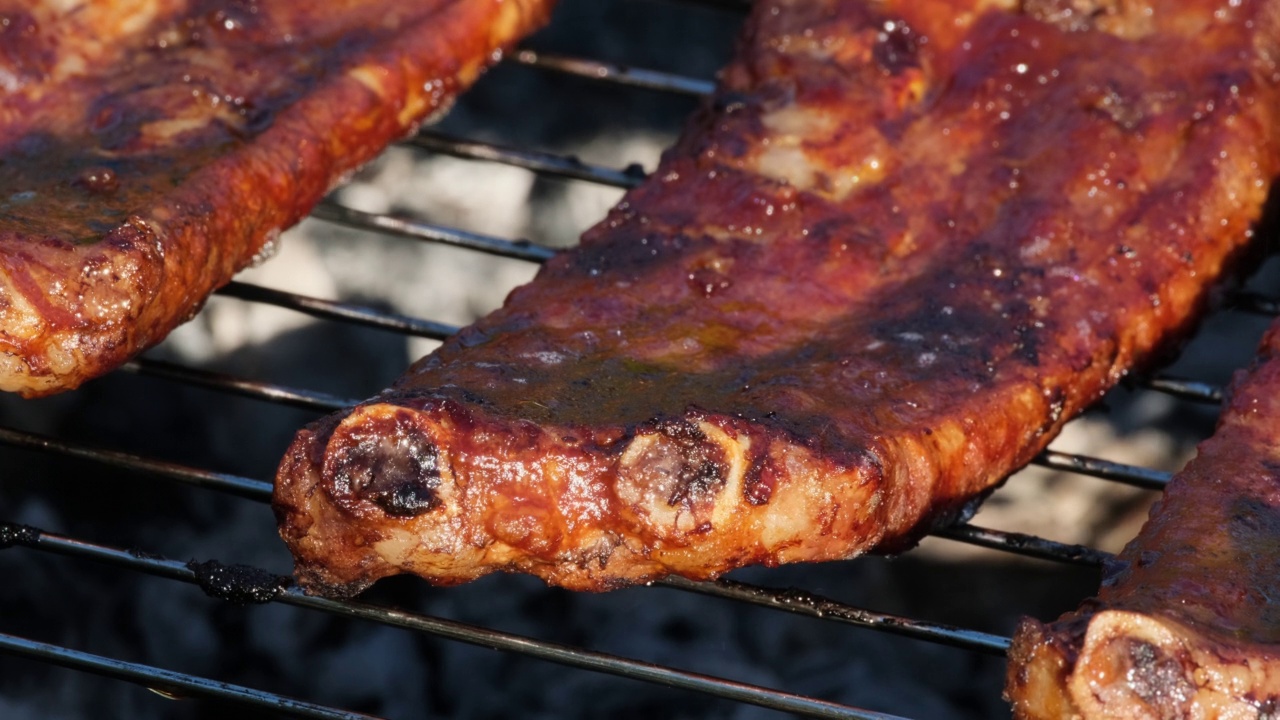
{"x":149,"y":149}
{"x":1184,"y":625}
{"x":902,"y":245}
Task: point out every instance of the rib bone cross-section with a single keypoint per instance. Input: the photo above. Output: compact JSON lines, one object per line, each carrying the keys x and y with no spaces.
{"x":1185,"y":624}
{"x":902,"y":244}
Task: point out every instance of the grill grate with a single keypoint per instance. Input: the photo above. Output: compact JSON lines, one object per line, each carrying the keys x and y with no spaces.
{"x":258,"y":585}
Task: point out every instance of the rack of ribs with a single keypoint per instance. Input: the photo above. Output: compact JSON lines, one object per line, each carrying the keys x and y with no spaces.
{"x":1185,"y":624}
{"x":901,"y":246}
{"x":149,"y":149}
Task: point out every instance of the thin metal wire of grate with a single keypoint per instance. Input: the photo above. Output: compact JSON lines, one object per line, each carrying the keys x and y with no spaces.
{"x":270,"y":588}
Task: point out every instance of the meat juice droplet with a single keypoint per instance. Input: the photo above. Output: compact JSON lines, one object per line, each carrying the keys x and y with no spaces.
{"x":270,"y":247}
{"x":98,"y":180}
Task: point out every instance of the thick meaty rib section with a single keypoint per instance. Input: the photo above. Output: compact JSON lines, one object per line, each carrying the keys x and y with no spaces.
{"x":901,"y":246}
{"x":1186,"y":623}
{"x":149,"y":149}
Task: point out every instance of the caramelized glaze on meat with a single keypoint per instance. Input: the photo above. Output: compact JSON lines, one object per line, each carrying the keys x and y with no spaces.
{"x":1186,"y":624}
{"x":900,"y":247}
{"x":151,"y":148}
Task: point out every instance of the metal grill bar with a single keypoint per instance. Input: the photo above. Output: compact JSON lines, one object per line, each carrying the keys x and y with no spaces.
{"x":370,"y":317}
{"x":170,"y":684}
{"x":1015,"y":543}
{"x":518,"y":249}
{"x":331,"y":310}
{"x":222,"y":482}
{"x":615,"y":73}
{"x":220,"y":382}
{"x":571,"y":167}
{"x":261,"y":491}
{"x":563,"y":166}
{"x":1028,"y":545}
{"x":1187,"y":389}
{"x":1134,"y":475}
{"x":1257,"y":304}
{"x":804,"y":603}
{"x":462,"y":632}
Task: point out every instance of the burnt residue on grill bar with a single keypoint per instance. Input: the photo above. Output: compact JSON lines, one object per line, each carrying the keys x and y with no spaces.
{"x":13,"y":534}
{"x":236,"y":583}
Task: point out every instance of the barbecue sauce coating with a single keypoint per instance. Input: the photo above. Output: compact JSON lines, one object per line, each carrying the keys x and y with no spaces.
{"x":901,"y":246}
{"x":149,"y":149}
{"x":1186,"y":623}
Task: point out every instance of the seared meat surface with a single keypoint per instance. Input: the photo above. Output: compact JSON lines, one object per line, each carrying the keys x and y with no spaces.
{"x":151,"y":148}
{"x":901,"y":246}
{"x":1186,"y":623}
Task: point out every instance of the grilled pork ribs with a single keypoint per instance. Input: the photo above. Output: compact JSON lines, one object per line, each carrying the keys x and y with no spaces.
{"x":149,"y":149}
{"x":1186,"y":623}
{"x":903,"y":243}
